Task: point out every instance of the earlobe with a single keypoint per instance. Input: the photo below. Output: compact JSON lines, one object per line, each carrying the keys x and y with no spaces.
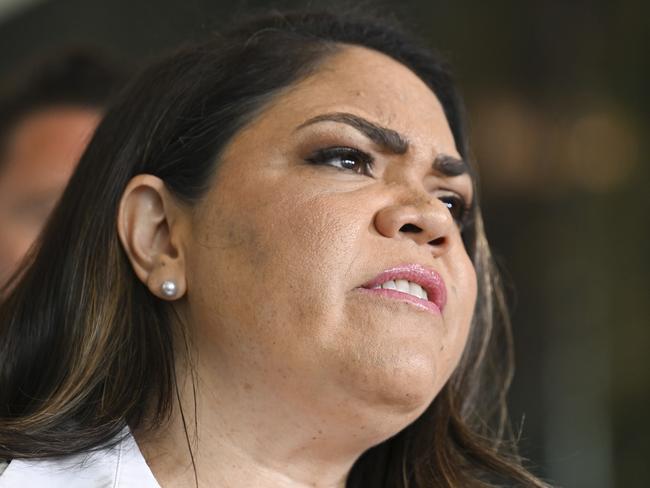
{"x":148,"y":225}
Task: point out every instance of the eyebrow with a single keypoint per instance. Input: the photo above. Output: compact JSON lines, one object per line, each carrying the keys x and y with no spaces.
{"x":450,"y":166}
{"x":390,"y":140}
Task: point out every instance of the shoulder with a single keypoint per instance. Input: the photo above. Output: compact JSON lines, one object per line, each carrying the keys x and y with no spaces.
{"x":122,"y":466}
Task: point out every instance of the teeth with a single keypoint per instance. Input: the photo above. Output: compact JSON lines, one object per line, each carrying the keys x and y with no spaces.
{"x":405,"y":287}
{"x":417,"y":290}
{"x":389,"y":285}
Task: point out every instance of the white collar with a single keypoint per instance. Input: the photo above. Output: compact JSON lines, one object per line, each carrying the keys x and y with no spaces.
{"x":122,"y":466}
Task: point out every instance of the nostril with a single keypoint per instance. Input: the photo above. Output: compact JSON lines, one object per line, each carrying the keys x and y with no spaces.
{"x":410,"y":228}
{"x":437,"y":242}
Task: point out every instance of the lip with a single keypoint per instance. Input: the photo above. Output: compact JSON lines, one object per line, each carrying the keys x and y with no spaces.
{"x":426,"y":277}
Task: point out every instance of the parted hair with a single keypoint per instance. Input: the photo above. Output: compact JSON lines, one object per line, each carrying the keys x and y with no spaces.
{"x":85,"y":348}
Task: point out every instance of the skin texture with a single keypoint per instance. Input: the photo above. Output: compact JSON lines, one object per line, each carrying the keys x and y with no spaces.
{"x":298,"y":372}
{"x":42,"y":151}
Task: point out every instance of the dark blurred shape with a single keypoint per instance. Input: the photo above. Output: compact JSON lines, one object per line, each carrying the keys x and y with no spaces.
{"x":48,"y":111}
{"x":77,"y":77}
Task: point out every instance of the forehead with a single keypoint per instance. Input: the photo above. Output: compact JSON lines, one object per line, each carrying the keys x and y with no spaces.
{"x":45,"y":145}
{"x":373,"y":85}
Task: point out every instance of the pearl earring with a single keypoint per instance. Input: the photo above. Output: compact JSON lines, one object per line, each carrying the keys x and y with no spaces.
{"x":168,"y":288}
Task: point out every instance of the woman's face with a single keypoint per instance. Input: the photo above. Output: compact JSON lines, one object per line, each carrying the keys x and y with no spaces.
{"x":309,"y":204}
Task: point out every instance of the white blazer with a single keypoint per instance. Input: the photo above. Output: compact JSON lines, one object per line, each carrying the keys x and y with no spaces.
{"x":122,"y":466}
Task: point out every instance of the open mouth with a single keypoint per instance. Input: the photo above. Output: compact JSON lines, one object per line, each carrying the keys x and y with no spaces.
{"x":404,"y":286}
{"x":413,"y":283}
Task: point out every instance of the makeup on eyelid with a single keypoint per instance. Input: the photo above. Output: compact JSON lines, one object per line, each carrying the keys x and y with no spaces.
{"x":457,"y":205}
{"x":344,"y":154}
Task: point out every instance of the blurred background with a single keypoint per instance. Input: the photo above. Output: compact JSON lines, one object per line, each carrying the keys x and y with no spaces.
{"x":559,"y":115}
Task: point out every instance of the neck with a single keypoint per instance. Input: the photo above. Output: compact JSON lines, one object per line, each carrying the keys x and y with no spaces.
{"x":241,"y":435}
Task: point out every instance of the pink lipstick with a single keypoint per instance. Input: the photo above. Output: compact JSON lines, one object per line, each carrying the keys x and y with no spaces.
{"x":427,"y":279}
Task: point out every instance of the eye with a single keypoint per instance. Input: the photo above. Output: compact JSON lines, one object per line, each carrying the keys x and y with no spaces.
{"x":344,"y":158}
{"x":459,"y":209}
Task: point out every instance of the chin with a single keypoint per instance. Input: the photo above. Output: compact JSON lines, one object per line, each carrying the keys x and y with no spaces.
{"x":396,"y":360}
{"x":397,"y":385}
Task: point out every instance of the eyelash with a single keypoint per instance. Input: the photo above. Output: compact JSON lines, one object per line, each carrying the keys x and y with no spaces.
{"x":461,"y":213}
{"x":459,"y":209}
{"x":325,"y":156}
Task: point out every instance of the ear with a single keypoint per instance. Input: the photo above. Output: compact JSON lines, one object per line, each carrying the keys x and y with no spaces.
{"x":152,"y":225}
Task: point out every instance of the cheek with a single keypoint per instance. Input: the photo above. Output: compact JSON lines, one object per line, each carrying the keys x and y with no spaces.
{"x":462,"y":295}
{"x":270,"y":267}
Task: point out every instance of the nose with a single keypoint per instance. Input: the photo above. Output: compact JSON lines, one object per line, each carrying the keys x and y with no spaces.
{"x":425,"y":220}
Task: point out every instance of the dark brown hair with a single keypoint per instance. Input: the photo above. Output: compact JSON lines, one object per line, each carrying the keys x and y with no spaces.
{"x":84,"y":346}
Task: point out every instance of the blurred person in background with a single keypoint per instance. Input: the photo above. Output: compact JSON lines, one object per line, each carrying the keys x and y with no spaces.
{"x":47,"y":115}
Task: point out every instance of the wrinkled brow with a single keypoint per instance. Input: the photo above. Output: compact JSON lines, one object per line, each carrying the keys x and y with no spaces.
{"x":450,"y":166}
{"x":390,"y":140}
